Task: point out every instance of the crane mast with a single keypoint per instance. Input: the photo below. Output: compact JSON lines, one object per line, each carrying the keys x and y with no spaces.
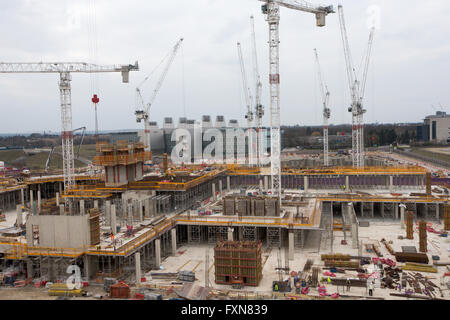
{"x":357,"y":90}
{"x":142,"y":114}
{"x":326,"y":111}
{"x":248,"y":102}
{"x":65,"y":69}
{"x":259,"y":109}
{"x":272,"y":9}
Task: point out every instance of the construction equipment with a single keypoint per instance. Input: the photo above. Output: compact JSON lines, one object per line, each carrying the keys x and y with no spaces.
{"x":259,"y":109}
{"x":142,"y":111}
{"x":47,"y":163}
{"x":248,"y":102}
{"x":326,"y":111}
{"x":357,"y":89}
{"x":64,"y":70}
{"x":82,"y":139}
{"x":272,"y":9}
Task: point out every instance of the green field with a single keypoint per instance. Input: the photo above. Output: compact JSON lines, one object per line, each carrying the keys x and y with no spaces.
{"x":19,"y":159}
{"x":429,"y":152}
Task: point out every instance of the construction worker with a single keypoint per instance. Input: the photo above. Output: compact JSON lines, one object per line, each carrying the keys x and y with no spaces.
{"x":349,"y":284}
{"x":371,"y":287}
{"x":329,"y":280}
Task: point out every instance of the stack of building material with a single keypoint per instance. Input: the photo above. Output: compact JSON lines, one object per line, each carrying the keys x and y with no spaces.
{"x":120,"y":290}
{"x":342,"y":264}
{"x":411,"y":257}
{"x":409,"y":225}
{"x":65,"y":290}
{"x":422,"y":236}
{"x":186,"y":276}
{"x":388,"y":246}
{"x":447,"y":217}
{"x":419,"y":267}
{"x":107,"y":282}
{"x":336,"y":257}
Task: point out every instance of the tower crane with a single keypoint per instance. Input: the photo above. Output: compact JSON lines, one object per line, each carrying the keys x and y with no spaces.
{"x":142,"y":112}
{"x":65,"y":69}
{"x":326,"y":110}
{"x":259,"y":109}
{"x":248,"y":102}
{"x":357,"y":89}
{"x":272,"y":9}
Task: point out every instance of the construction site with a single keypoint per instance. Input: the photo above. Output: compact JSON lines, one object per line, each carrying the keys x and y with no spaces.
{"x":369,"y":225}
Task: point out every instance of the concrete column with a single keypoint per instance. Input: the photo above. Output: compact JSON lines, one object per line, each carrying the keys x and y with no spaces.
{"x":261,"y":185}
{"x":147,"y":207}
{"x":61,"y":210}
{"x":228,"y":184}
{"x":158,"y":253}
{"x":174,"y":240}
{"x":113,"y":219}
{"x":291,"y":245}
{"x":19,"y":215}
{"x":96,"y":204}
{"x":241,"y":233}
{"x":39,"y":200}
{"x":82,"y":210}
{"x":230,"y":234}
{"x":306,"y":183}
{"x":22,"y":196}
{"x":402,"y":216}
{"x":60,"y":187}
{"x":266,"y":183}
{"x":347,"y":183}
{"x":220,"y":187}
{"x":137,"y":259}
{"x":29,"y":268}
{"x":396,"y":210}
{"x":86,"y":266}
{"x":391,"y":183}
{"x":130,"y":213}
{"x":213,"y":187}
{"x":57,"y":199}
{"x":438,"y":208}
{"x":141,"y":210}
{"x":108,"y":212}
{"x":382,"y":210}
{"x":302,"y":238}
{"x":31,"y":199}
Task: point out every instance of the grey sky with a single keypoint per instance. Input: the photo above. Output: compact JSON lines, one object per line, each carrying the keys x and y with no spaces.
{"x":409,"y":68}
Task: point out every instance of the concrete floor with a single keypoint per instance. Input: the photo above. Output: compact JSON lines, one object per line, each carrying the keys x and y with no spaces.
{"x":194,"y":256}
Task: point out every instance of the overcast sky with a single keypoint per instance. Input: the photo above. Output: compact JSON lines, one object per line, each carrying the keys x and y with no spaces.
{"x":409,"y":69}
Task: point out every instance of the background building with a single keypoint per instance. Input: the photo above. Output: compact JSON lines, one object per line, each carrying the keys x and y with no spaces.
{"x":436,"y":128}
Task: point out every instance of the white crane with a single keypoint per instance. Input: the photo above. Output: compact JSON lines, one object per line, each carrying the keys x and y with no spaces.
{"x":142,"y":112}
{"x":357,"y":89}
{"x":326,"y":110}
{"x":248,"y":102}
{"x":259,"y":109}
{"x":272,"y":9}
{"x":64,"y":69}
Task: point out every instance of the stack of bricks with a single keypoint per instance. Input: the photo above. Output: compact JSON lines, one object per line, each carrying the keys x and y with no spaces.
{"x":422,"y":236}
{"x":409,"y":225}
{"x":447,"y":217}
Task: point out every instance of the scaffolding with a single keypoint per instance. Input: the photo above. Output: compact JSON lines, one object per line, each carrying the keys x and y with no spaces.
{"x":238,"y":261}
{"x":274,"y":237}
{"x":249,"y":233}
